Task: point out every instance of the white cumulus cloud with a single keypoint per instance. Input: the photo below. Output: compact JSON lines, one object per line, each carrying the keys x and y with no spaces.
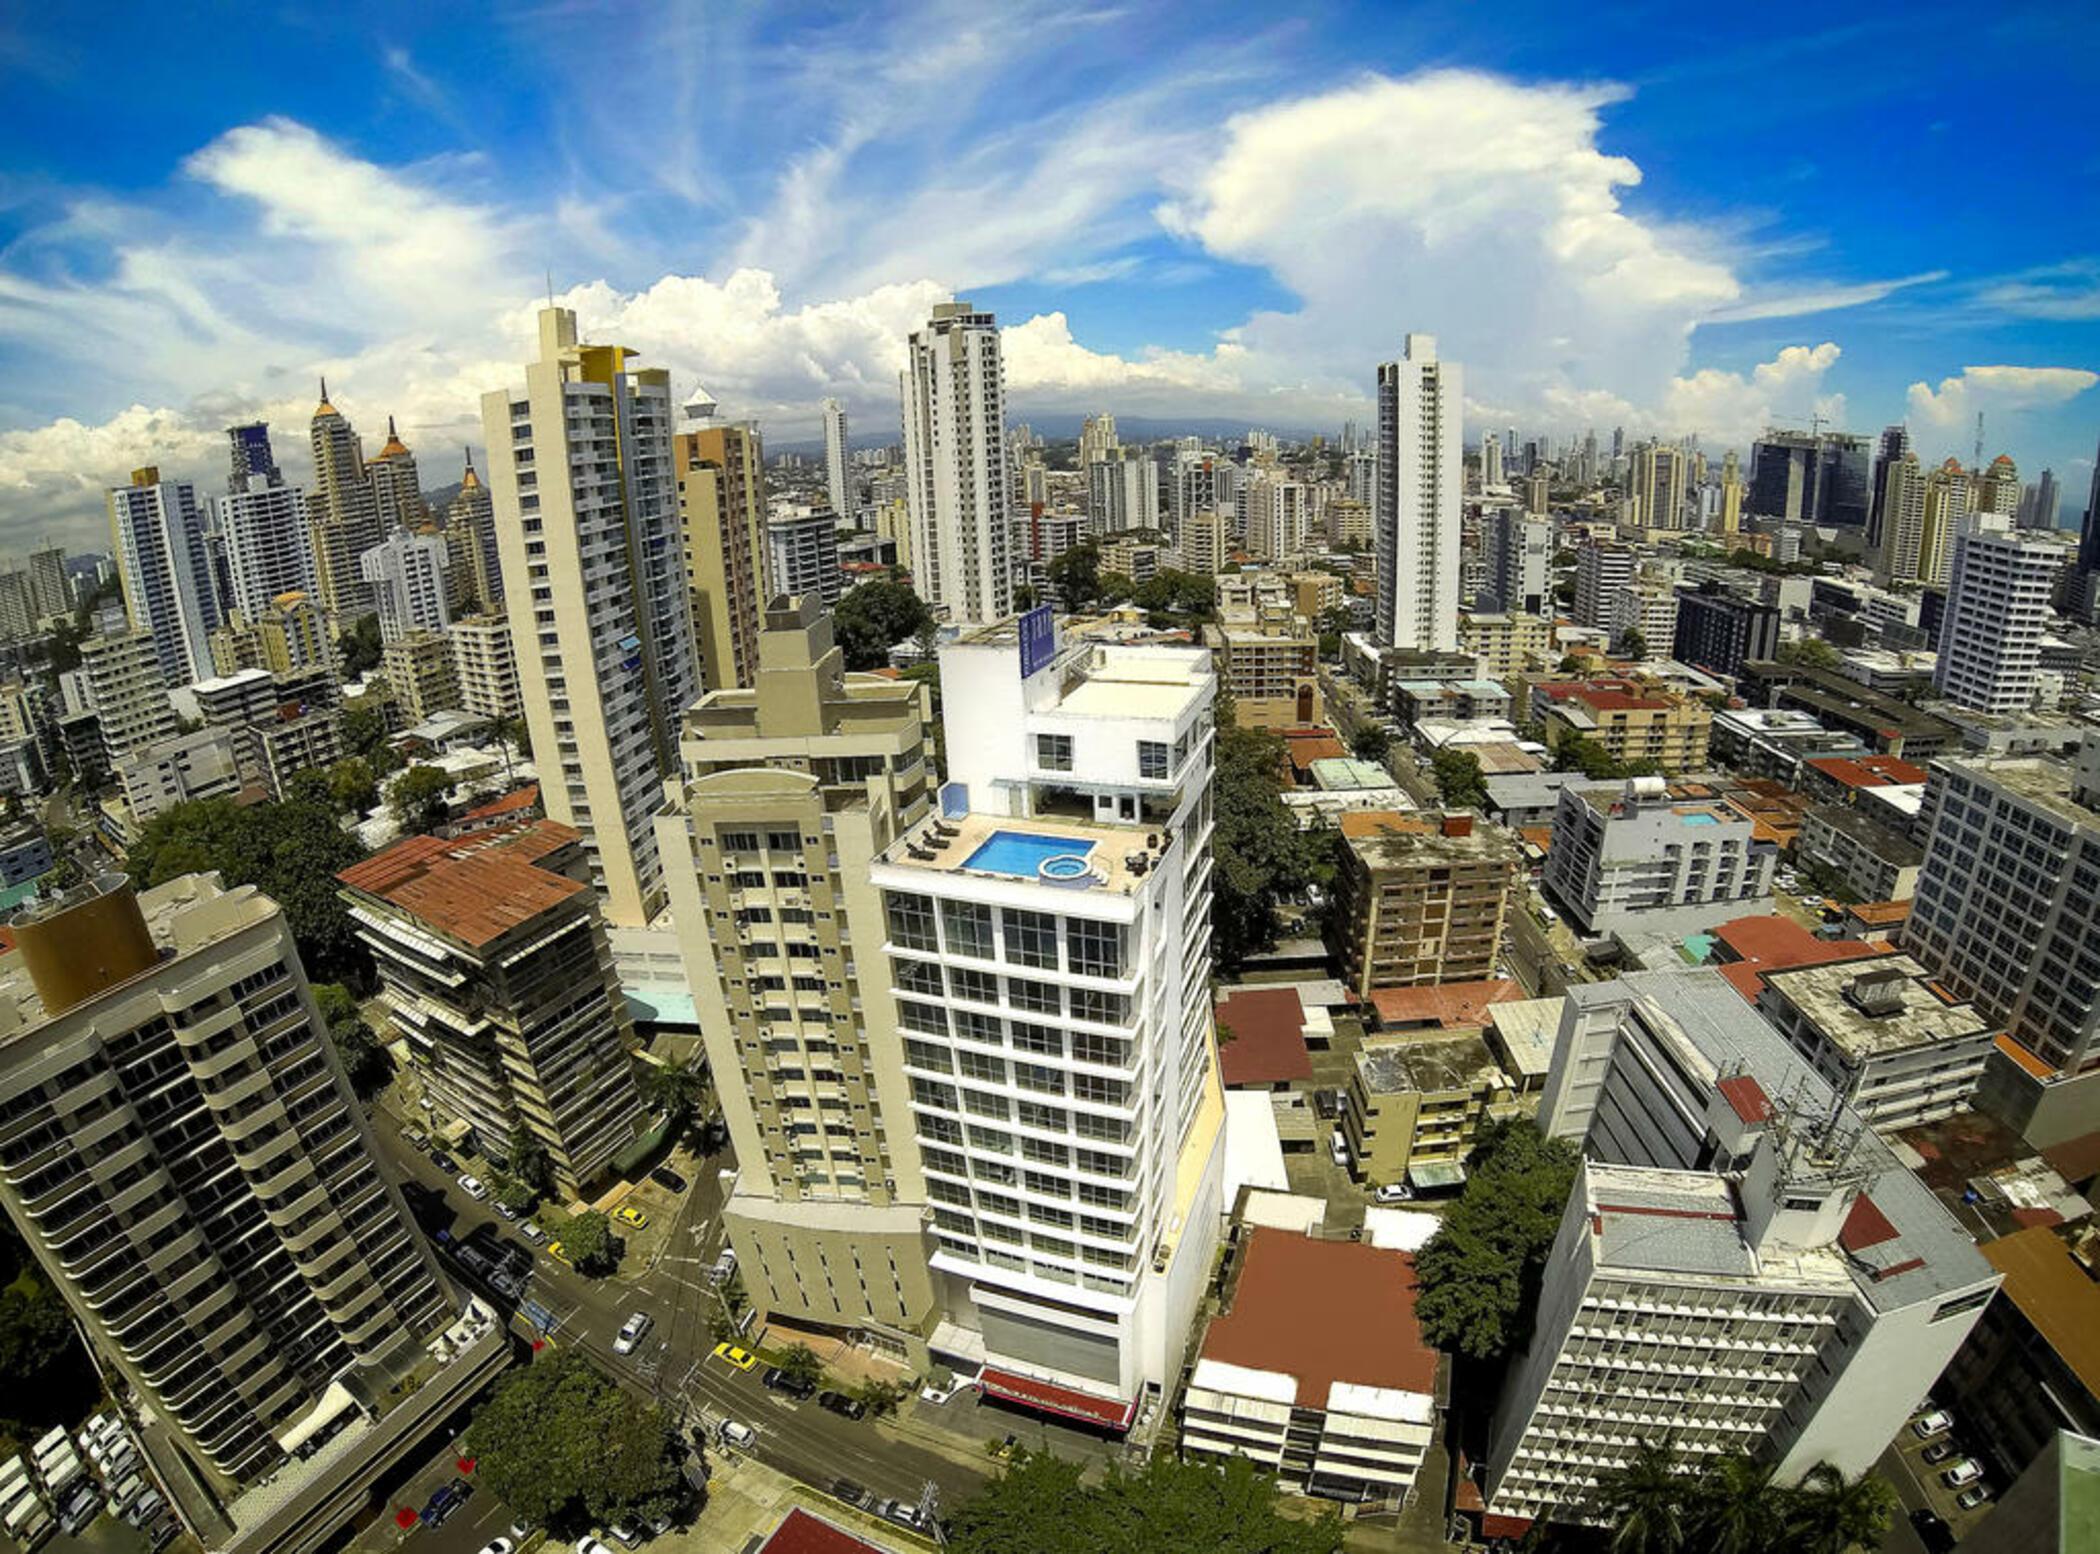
{"x":1958,"y":399}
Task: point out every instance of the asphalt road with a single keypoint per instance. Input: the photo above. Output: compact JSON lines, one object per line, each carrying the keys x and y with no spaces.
{"x":674,"y":1364}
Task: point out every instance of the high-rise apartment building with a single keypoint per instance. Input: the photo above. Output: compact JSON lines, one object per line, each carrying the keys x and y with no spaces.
{"x":495,"y":968}
{"x":1490,"y":460}
{"x":406,"y":577}
{"x":128,"y":692}
{"x":790,"y":788}
{"x":595,"y":582}
{"x":485,"y":666}
{"x":1421,"y":476}
{"x":49,"y":591}
{"x":1268,"y":658}
{"x":157,"y":534}
{"x":343,"y":512}
{"x":1719,"y":631}
{"x":1638,"y":859}
{"x":470,"y":534}
{"x":1279,"y":515}
{"x":1656,"y":486}
{"x":1998,"y":487}
{"x":1892,"y":446}
{"x":1097,"y":437}
{"x":184,"y":1157}
{"x":837,"y":477}
{"x":1122,"y":492}
{"x":1943,"y":519}
{"x":422,"y":672}
{"x":1419,"y":899}
{"x":397,"y":489}
{"x":722,"y":513}
{"x":1743,"y":1265}
{"x":955,"y":458}
{"x":1205,"y":543}
{"x":249,"y":456}
{"x":802,"y":555}
{"x":1643,"y":614}
{"x":269,"y":543}
{"x":1049,"y":950}
{"x":2007,"y":908}
{"x":1998,"y":612}
{"x":1730,"y":518}
{"x":1603,"y":568}
{"x":1896,"y":537}
{"x":1519,"y":551}
{"x":1810,"y":477}
{"x":290,"y":635}
{"x":2047,"y":497}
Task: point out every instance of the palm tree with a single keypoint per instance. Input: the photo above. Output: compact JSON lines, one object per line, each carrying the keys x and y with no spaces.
{"x":1736,"y":1510}
{"x":672,"y":1087}
{"x":1830,"y":1513}
{"x":1643,"y":1502}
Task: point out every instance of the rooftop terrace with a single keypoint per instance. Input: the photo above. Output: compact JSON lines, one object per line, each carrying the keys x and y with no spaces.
{"x":1922,"y":1015}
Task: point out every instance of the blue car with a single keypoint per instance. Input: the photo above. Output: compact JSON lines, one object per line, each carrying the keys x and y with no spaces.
{"x":449,"y":1498}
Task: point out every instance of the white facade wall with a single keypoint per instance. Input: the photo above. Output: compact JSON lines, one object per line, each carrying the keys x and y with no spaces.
{"x":166,"y":573}
{"x":269,"y":548}
{"x":955,"y":460}
{"x":1421,"y":478}
{"x":1997,"y":613}
{"x":407,"y":577}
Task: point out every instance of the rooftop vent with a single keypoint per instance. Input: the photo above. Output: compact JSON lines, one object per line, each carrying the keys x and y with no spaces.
{"x":1878,"y":993}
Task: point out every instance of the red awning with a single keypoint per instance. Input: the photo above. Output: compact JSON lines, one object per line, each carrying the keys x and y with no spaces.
{"x":1497,"y":1525}
{"x":1113,"y":1413}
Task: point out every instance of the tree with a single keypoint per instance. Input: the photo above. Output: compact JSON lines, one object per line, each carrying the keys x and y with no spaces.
{"x":1572,"y":663}
{"x":353,"y":787}
{"x":673,"y":1087}
{"x":1042,"y":1504}
{"x":881,"y":1397}
{"x":290,"y":851}
{"x":1830,"y":1513}
{"x":1459,"y":782}
{"x":45,"y":1375}
{"x":1334,"y":624}
{"x":1075,"y":577}
{"x":1580,"y":753}
{"x":1261,"y":857}
{"x":1025,"y":597}
{"x":874,"y":618}
{"x":417,"y":799}
{"x":364,"y":728}
{"x":1736,"y":1510}
{"x":517,"y":733}
{"x":1371,"y":743}
{"x":1479,"y":1273}
{"x":1633,"y":643}
{"x":362,"y":647}
{"x":1644,"y":1502}
{"x":1810,"y":653}
{"x":563,"y":1447}
{"x":801,"y":1362}
{"x":528,"y":1171}
{"x":589,"y":1241}
{"x":357,"y":1047}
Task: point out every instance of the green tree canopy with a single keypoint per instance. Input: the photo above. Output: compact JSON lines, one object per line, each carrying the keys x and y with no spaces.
{"x":590,"y":1243}
{"x":1659,"y":1503}
{"x":1371,"y":743}
{"x":45,"y":1375}
{"x":290,"y":851}
{"x":563,"y":1447}
{"x":1075,"y":577}
{"x":801,"y":1362}
{"x":1811,"y":652}
{"x":1580,"y":753}
{"x":362,"y":647}
{"x":874,"y":618}
{"x":673,"y":1087}
{"x":1633,"y":643}
{"x":1261,"y":857}
{"x":416,"y":799}
{"x":1459,"y":781}
{"x":1479,"y":1274}
{"x":353,"y":787}
{"x":1041,"y":1504}
{"x":357,"y":1046}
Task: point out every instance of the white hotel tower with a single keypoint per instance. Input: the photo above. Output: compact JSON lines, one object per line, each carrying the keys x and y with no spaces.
{"x":1049,"y":946}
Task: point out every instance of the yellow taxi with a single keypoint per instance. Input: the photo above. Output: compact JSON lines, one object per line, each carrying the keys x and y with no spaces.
{"x":742,"y":1359}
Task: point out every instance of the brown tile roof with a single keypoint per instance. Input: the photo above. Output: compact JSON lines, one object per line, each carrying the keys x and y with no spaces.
{"x":1382,"y":822}
{"x":1869,"y":771}
{"x":2075,"y":1159}
{"x":1323,"y":1312}
{"x":2053,"y":1293}
{"x":1267,"y":1044}
{"x":525,"y":798}
{"x":1879,"y":914}
{"x":474,"y":889}
{"x":1747,"y":1097}
{"x":1452,"y":1005}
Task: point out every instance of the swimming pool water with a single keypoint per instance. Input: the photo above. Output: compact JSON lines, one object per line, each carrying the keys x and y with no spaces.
{"x":1701,"y":820}
{"x":1020,"y":852}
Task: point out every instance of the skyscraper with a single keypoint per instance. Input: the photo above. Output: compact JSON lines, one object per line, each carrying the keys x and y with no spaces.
{"x":128,"y":692}
{"x":249,"y":456}
{"x":470,"y":534}
{"x":2089,"y":530}
{"x":268,"y":536}
{"x":1990,"y":645}
{"x":157,"y":533}
{"x":1490,"y":459}
{"x":343,"y":513}
{"x":1097,"y":435}
{"x":722,"y":514}
{"x":406,"y":576}
{"x":203,"y":1192}
{"x":2047,"y":496}
{"x":397,"y":490}
{"x":1945,"y":516}
{"x":1897,"y":534}
{"x":1656,"y":485}
{"x":1731,"y":515}
{"x":836,"y":473}
{"x":1421,"y":474}
{"x":1998,"y":487}
{"x":955,"y":461}
{"x":586,"y":508}
{"x":1122,"y":492}
{"x":790,"y":787}
{"x":1811,"y":477}
{"x":49,"y":591}
{"x":1893,"y":444}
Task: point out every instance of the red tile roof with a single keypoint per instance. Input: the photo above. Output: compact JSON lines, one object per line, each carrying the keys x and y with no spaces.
{"x":1267,"y":1044}
{"x":1775,"y":943}
{"x":1323,"y":1312}
{"x":474,"y":888}
{"x":1870,"y":771}
{"x":1451,"y":1005}
{"x":800,"y":1532}
{"x":1747,"y":1097}
{"x":515,"y":802}
{"x":1865,"y":1226}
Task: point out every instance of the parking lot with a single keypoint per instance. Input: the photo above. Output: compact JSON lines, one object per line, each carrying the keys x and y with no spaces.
{"x":1921,"y":1483}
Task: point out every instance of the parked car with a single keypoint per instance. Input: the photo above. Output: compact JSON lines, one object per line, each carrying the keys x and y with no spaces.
{"x":1338,"y":1147}
{"x":742,"y":1359}
{"x":474,"y":1187}
{"x":531,"y":1232}
{"x":667,"y":1179}
{"x":626,"y":1537}
{"x":1938,"y":1451}
{"x":628,"y":1214}
{"x":1927,"y":1425}
{"x":1966,"y":1471}
{"x":839,"y":1403}
{"x":778,"y":1380}
{"x":415,"y":1138}
{"x":1932,"y":1531}
{"x":443,"y":1161}
{"x":591,"y":1546}
{"x":904,"y":1513}
{"x":506,"y":1211}
{"x":1972,"y":1497}
{"x":740,"y":1436}
{"x":446,"y":1499}
{"x":845,"y":1489}
{"x":723,"y":1268}
{"x":632,"y":1332}
{"x":498,"y":1546}
{"x":1327,"y":1104}
{"x":1394,"y":1192}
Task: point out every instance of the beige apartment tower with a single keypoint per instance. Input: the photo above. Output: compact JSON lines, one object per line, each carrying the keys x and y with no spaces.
{"x":790,"y":789}
{"x":1419,"y":899}
{"x":419,"y":670}
{"x":722,"y":512}
{"x":486,"y":666}
{"x":496,"y":969}
{"x":181,"y":1151}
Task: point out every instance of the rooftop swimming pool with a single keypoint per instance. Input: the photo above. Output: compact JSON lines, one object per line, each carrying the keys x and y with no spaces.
{"x":1702,"y":820}
{"x":1023,"y":853}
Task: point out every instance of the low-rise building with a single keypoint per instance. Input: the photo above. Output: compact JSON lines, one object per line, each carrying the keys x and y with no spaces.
{"x":1719,"y":629}
{"x":1629,"y":719}
{"x":25,"y":854}
{"x":1269,"y":661}
{"x":1876,"y":861}
{"x":1425,"y":701}
{"x":199,"y":765}
{"x":1775,"y":742}
{"x":1419,"y":899}
{"x":1884,"y":1035}
{"x":1884,"y":724}
{"x":1845,"y":779}
{"x":1413,"y":1105}
{"x":1344,"y":1406}
{"x":485,"y":666}
{"x":1506,"y":644}
{"x":1635,"y":858}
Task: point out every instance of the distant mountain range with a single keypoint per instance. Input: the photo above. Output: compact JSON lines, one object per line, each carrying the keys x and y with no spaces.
{"x":1061,"y":426}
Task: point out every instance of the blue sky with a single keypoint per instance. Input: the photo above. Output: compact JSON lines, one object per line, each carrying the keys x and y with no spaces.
{"x":1643,"y":215}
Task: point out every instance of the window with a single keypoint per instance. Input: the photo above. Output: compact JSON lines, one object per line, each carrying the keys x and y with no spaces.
{"x":1033,"y":1076}
{"x":1101,"y":1008}
{"x":911,"y":921}
{"x":739,"y":841}
{"x":1039,"y":1039}
{"x":1105,"y":1050}
{"x":1152,"y":759}
{"x":980,"y":1103}
{"x":784,"y":841}
{"x":979,"y":987}
{"x":1096,"y":948}
{"x":1053,"y":752}
{"x":930,"y":1018}
{"x":1035,"y":997}
{"x":978,"y":1027}
{"x":917,"y":976}
{"x":1031,"y":938}
{"x":976,"y":1065}
{"x":1051,"y":1119}
{"x":969,"y":928}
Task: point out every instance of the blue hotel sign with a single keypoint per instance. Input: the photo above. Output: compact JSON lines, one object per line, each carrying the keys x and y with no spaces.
{"x":1038,"y":639}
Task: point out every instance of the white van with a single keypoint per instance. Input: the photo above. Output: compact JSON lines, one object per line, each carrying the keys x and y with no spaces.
{"x":740,"y":1436}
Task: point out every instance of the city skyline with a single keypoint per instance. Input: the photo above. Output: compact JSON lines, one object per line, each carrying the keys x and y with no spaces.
{"x":395,"y":218}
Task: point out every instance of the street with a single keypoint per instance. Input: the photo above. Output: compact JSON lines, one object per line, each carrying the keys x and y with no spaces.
{"x":673,"y":1364}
